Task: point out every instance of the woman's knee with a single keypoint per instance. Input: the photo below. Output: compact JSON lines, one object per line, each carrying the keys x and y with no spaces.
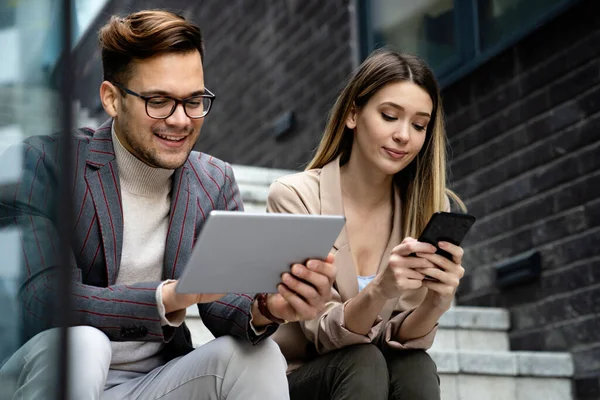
{"x":361,"y":363}
{"x":413,"y":375}
{"x":362,"y":355}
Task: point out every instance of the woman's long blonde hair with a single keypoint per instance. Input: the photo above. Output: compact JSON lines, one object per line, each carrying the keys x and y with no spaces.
{"x":422,"y":183}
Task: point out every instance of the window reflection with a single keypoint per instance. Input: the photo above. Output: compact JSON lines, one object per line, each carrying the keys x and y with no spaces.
{"x":30,"y":33}
{"x":425,"y":28}
{"x":499,"y":19}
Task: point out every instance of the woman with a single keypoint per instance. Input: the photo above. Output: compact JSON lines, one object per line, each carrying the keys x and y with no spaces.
{"x":381,"y":163}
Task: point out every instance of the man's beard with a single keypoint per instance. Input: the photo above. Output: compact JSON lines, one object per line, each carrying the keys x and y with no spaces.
{"x":152,"y":156}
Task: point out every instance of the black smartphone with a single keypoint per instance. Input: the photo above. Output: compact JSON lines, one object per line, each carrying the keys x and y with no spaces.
{"x":448,"y":227}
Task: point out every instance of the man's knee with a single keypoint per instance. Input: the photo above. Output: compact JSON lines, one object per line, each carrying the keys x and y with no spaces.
{"x":226,"y":350}
{"x":266,"y":352}
{"x":35,"y":364}
{"x":247,"y":371}
{"x":413,"y":375}
{"x":90,"y":353}
{"x":87,"y":343}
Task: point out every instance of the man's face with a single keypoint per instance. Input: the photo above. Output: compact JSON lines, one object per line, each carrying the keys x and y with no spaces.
{"x":160,"y":143}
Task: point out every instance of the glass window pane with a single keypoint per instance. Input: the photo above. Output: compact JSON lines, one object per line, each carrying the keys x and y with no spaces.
{"x":425,"y":28}
{"x":30,"y":33}
{"x":499,"y":20}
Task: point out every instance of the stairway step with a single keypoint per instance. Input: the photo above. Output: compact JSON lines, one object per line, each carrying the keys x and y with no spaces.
{"x":254,"y":193}
{"x":476,"y":318}
{"x":258,"y":176}
{"x":255,"y":207}
{"x":514,"y":363}
{"x":200,"y":334}
{"x":469,"y":339}
{"x":485,"y":387}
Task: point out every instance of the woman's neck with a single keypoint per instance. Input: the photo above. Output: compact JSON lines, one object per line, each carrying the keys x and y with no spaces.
{"x":367,"y":186}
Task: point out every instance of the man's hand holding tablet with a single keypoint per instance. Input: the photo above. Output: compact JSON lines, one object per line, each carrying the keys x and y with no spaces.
{"x":303,"y":293}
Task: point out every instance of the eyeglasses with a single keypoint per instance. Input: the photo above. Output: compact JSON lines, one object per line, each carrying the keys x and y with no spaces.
{"x":162,"y":107}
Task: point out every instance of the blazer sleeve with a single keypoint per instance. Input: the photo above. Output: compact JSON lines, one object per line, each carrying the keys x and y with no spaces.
{"x":408,"y":304}
{"x":389,"y":337}
{"x":28,"y":210}
{"x":232,"y":314}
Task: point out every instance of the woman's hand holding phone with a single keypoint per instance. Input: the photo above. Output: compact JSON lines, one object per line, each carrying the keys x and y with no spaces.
{"x":446,"y":273}
{"x":404,"y":271}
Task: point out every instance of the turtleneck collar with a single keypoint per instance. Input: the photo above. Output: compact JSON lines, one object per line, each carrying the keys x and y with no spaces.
{"x":136,"y":176}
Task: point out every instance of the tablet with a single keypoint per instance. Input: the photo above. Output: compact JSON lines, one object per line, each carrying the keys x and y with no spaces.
{"x":239,"y":252}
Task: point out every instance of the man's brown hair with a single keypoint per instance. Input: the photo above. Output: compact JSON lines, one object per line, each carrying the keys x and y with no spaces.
{"x":142,"y":35}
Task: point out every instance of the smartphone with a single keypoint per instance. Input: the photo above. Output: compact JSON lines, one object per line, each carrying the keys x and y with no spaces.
{"x":448,"y":227}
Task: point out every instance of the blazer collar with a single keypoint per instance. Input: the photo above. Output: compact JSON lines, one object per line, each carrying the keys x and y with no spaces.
{"x":101,"y":147}
{"x":103,"y":182}
{"x":330,"y":191}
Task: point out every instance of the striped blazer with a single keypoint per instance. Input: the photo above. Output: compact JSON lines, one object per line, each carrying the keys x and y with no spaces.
{"x":122,"y":312}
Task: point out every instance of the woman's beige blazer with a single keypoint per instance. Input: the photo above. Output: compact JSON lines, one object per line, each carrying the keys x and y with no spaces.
{"x":318,"y":191}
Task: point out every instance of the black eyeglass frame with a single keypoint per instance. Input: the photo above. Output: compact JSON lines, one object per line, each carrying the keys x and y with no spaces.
{"x":207,"y":95}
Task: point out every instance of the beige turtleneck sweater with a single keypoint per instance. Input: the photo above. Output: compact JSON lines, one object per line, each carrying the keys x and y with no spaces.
{"x":146,"y":196}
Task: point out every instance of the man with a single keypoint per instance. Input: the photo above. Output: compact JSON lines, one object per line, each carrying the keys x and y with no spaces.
{"x":141,"y":196}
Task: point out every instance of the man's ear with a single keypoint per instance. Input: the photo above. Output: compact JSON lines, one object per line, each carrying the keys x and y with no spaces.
{"x":351,"y":118}
{"x":110,"y":98}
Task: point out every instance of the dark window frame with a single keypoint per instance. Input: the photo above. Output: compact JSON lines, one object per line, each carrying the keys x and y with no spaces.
{"x":467,"y":33}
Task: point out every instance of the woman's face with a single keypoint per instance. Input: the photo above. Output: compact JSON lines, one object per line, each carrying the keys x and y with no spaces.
{"x":390,"y":130}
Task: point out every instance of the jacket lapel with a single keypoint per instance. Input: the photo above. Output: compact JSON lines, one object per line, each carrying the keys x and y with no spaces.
{"x":102,"y":179}
{"x":181,"y":233}
{"x":395,"y":239}
{"x":330,"y":191}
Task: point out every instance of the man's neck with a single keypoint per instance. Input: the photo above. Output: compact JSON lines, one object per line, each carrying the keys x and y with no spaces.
{"x":136,"y":176}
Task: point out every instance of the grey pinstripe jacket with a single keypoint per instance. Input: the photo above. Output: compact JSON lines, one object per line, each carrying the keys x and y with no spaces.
{"x":122,"y":312}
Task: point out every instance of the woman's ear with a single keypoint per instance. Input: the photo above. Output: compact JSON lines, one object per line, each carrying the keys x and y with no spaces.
{"x":351,"y":118}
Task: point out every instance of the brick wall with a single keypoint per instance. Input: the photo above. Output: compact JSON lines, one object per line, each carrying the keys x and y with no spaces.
{"x":525,"y":136}
{"x":264,"y":58}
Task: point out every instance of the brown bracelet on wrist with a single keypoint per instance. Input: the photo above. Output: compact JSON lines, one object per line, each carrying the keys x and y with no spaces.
{"x":263,"y":308}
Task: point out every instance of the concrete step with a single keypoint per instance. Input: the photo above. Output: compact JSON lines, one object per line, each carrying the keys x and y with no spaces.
{"x":473,"y":328}
{"x":504,"y":363}
{"x":254,"y":184}
{"x":258,"y":176}
{"x":255,"y":207}
{"x":487,"y":387}
{"x":466,"y":339}
{"x":484,"y":318}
